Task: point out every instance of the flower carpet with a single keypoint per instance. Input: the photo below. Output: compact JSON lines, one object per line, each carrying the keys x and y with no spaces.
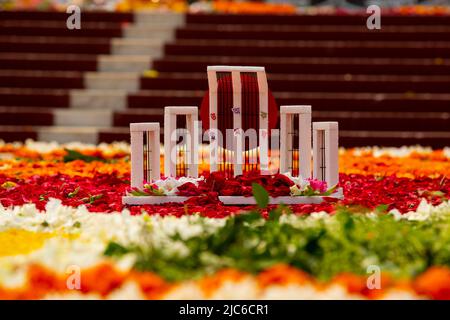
{"x":66,"y":234}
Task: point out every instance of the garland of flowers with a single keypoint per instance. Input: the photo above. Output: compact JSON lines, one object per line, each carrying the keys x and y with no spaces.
{"x":394,"y":198}
{"x":105,"y":281}
{"x":99,"y":176}
{"x":216,"y":184}
{"x":201,"y":257}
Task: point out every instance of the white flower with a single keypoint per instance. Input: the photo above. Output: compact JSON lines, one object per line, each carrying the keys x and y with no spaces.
{"x":422,"y":213}
{"x":299,"y":181}
{"x":169,"y":186}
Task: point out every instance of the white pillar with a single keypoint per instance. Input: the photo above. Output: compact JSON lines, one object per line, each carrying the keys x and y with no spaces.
{"x":170,"y":122}
{"x":213,"y":134}
{"x":263,"y":122}
{"x":326,"y":152}
{"x":137,"y":131}
{"x":304,"y":135}
{"x":238,"y":147}
{"x":238,"y":142}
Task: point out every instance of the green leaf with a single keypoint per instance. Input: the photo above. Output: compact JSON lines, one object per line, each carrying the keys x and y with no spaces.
{"x":437,"y":194}
{"x":73,"y":155}
{"x":139,"y":193}
{"x":261,"y":195}
{"x":115,"y":249}
{"x":73,"y":193}
{"x":309,"y":191}
{"x":275,"y":214}
{"x":77,"y":224}
{"x":92,"y":199}
{"x":330,"y":191}
{"x":154,"y":191}
{"x":382,"y":208}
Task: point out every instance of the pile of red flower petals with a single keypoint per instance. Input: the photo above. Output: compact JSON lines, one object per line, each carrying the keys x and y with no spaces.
{"x":217,"y":183}
{"x":103,"y":193}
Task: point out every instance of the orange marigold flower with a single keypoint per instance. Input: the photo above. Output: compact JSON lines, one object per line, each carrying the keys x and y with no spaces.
{"x":282,"y":274}
{"x":435,"y":283}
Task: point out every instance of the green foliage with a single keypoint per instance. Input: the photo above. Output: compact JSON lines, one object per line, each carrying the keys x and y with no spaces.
{"x":261,"y":195}
{"x":345,"y":242}
{"x":115,"y":249}
{"x":73,"y":193}
{"x":73,"y":155}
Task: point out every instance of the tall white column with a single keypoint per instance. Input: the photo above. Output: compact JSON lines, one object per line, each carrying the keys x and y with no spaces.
{"x":304,"y":135}
{"x":137,"y":131}
{"x":170,"y":127}
{"x":238,"y":140}
{"x":263,"y":122}
{"x":238,"y":143}
{"x":326,"y":152}
{"x":213,"y":134}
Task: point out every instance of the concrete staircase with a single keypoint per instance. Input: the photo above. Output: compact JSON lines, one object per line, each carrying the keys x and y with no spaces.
{"x":65,"y":85}
{"x":386,"y":87}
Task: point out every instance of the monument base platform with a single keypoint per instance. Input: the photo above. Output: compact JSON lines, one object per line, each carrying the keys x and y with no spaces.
{"x":231,"y":200}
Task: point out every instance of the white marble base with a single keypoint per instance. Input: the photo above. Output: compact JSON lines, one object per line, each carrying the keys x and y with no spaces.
{"x":229,"y":200}
{"x":140,"y":200}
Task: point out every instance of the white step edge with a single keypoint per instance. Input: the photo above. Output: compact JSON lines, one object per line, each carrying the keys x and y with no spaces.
{"x":152,"y":48}
{"x":68,"y":134}
{"x":152,"y":17}
{"x":163,"y":33}
{"x":98,"y":99}
{"x":77,"y":118}
{"x":129,"y":81}
{"x":123,"y":63}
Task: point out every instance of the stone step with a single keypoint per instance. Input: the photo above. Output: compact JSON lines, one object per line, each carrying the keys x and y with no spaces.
{"x":48,"y":61}
{"x":95,"y":135}
{"x":164,"y":33}
{"x":59,"y":29}
{"x":310,"y":65}
{"x":92,"y":135}
{"x":69,"y":79}
{"x":319,"y":19}
{"x":335,"y":49}
{"x":311,"y":83}
{"x":320,"y":101}
{"x":117,"y":46}
{"x":127,"y":63}
{"x":112,"y":99}
{"x":45,"y":116}
{"x":129,"y":81}
{"x":24,"y":97}
{"x":115,"y":99}
{"x":349,"y":121}
{"x":166,"y":19}
{"x":55,"y":45}
{"x":125,"y":117}
{"x":26,"y":116}
{"x":87,"y":16}
{"x":41,"y":79}
{"x":150,"y":47}
{"x":313,"y":32}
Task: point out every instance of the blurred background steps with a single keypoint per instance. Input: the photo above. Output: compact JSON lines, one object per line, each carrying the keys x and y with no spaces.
{"x":312,"y":65}
{"x":385,"y":87}
{"x":314,"y":32}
